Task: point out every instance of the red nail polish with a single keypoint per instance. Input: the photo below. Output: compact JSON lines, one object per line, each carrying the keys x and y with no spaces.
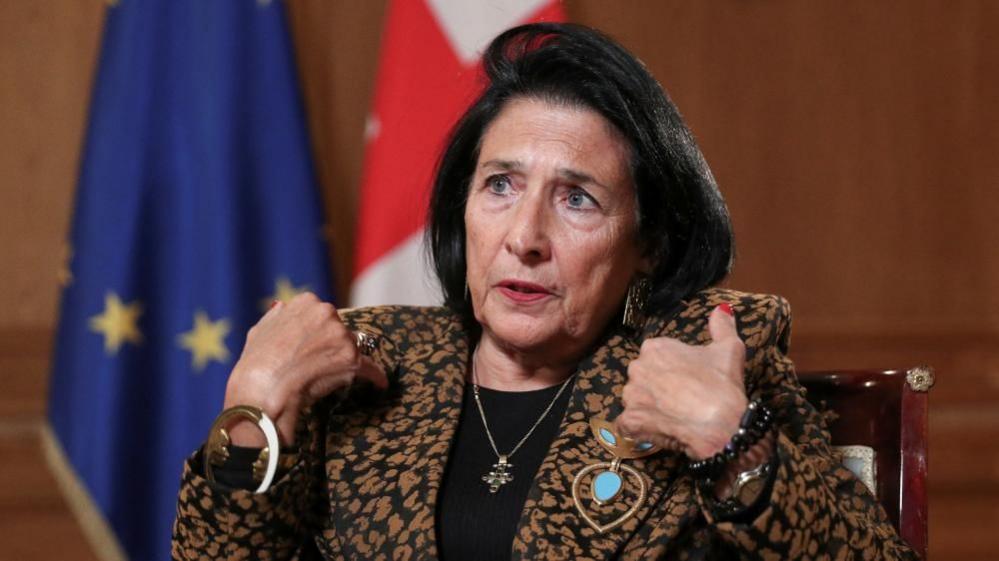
{"x":726,"y":308}
{"x":274,"y":303}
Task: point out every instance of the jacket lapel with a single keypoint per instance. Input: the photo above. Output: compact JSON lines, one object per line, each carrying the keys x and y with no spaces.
{"x":435,"y":380}
{"x":392,"y":450}
{"x":409,"y":433}
{"x":550,"y":525}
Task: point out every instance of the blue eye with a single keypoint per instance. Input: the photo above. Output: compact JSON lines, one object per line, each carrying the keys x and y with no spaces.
{"x":498,"y":184}
{"x":580,"y":199}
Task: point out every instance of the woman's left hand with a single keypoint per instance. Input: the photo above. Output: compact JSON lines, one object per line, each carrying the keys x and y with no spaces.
{"x":687,"y":397}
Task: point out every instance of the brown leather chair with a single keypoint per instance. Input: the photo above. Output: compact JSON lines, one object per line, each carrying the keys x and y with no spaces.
{"x":881,"y":429}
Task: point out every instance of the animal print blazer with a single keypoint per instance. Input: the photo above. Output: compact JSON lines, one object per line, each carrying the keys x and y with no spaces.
{"x":371,"y":463}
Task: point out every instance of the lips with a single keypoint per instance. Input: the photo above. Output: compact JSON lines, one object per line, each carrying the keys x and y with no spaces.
{"x":521,"y":291}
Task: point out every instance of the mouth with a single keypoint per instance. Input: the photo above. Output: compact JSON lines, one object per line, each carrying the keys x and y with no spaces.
{"x":521,"y":291}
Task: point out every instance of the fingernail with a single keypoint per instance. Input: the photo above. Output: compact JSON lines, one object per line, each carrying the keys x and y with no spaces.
{"x":274,"y":303}
{"x":726,"y":308}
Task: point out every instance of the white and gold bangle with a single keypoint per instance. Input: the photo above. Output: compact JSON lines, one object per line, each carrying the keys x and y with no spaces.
{"x":217,"y":447}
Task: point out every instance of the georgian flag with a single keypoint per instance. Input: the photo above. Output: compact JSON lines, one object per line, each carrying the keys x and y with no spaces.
{"x":427,"y":77}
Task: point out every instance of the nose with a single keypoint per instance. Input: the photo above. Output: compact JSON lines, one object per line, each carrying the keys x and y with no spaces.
{"x":527,"y":237}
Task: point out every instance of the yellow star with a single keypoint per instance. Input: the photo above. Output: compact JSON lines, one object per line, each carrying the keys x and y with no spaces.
{"x":283,"y":291}
{"x":206,"y":340}
{"x":117,"y":323}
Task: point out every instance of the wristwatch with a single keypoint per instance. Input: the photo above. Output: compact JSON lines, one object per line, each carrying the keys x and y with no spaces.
{"x":749,"y":484}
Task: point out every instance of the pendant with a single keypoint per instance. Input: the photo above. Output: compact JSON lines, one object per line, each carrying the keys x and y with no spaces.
{"x":608,"y":479}
{"x":500,"y":475}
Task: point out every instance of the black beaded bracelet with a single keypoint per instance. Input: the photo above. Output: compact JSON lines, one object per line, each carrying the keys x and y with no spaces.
{"x":755,"y":423}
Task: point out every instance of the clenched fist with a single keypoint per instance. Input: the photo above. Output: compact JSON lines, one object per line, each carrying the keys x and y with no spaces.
{"x":687,"y":397}
{"x":297,"y":353}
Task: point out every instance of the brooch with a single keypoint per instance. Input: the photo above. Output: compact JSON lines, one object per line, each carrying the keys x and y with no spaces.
{"x":607,"y":480}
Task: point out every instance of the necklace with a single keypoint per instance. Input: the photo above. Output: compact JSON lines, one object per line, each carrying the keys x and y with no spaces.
{"x":500,"y":474}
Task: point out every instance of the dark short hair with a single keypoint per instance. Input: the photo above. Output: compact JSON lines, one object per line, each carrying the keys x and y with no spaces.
{"x":683,"y":223}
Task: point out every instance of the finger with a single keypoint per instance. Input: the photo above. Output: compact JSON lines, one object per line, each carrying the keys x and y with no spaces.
{"x":370,"y":370}
{"x":322,"y":382}
{"x":305,"y":298}
{"x":667,"y":442}
{"x":721,"y":324}
{"x":633,"y":423}
{"x":639,"y":427}
{"x":636,"y":395}
{"x":322,"y":387}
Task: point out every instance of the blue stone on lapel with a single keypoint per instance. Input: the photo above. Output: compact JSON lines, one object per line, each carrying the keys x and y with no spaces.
{"x":608,"y":437}
{"x":606,"y":486}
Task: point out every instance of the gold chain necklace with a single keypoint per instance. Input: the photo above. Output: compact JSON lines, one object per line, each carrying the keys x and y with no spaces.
{"x":500,"y":474}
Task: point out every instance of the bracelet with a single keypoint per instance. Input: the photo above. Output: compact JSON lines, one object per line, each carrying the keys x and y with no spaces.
{"x":758,"y":480}
{"x":217,"y":446}
{"x":755,"y":423}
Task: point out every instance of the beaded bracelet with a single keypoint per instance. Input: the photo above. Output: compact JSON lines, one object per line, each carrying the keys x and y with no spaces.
{"x":755,"y":423}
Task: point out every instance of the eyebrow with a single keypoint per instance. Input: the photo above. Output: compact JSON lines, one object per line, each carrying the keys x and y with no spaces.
{"x":572,"y":175}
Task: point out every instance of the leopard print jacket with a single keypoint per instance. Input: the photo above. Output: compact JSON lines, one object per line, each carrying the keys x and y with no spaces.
{"x":370,"y":464}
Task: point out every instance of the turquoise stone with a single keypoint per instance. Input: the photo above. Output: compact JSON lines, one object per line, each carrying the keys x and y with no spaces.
{"x":606,"y":486}
{"x":643,"y":446}
{"x":608,"y":437}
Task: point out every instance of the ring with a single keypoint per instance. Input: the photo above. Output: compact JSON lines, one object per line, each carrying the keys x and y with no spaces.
{"x":366,"y":342}
{"x":217,"y":447}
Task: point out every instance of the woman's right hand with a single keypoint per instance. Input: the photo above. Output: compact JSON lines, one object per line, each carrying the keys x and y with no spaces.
{"x":297,"y":353}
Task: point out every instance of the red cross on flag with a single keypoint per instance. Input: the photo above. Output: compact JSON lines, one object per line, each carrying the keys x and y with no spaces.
{"x":427,"y":77}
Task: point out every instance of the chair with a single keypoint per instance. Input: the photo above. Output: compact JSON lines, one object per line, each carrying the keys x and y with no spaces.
{"x":881,"y":428}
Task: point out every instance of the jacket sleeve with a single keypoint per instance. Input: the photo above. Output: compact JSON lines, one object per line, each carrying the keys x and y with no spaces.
{"x":217,"y":522}
{"x":817,"y":507}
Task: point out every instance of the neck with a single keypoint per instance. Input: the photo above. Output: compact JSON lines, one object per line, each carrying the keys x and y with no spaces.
{"x":503,"y":369}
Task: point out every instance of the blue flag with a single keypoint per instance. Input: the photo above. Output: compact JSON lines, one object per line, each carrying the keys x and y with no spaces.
{"x":196,"y":207}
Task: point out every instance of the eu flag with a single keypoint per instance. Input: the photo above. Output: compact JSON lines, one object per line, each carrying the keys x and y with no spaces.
{"x":196,"y":207}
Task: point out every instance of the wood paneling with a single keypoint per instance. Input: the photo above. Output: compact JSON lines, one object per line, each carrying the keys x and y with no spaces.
{"x":963,"y":526}
{"x":854,"y":142}
{"x":24,"y":363}
{"x":47,"y":54}
{"x":35,"y":520}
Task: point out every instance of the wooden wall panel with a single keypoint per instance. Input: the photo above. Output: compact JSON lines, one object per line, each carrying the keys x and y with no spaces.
{"x":46,"y":60}
{"x":854,"y":142}
{"x":47,"y":54}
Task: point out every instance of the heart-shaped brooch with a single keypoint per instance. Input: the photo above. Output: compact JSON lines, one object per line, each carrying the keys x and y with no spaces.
{"x":606,"y":480}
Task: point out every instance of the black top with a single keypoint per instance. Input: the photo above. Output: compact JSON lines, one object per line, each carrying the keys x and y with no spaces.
{"x":473,"y":523}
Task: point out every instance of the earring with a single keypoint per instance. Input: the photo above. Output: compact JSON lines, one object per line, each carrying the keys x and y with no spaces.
{"x":634,"y":304}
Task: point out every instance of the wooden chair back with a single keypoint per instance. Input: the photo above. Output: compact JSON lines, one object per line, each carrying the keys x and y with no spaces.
{"x":884,"y":411}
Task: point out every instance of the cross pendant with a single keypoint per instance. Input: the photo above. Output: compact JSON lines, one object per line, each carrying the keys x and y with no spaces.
{"x":499,"y":476}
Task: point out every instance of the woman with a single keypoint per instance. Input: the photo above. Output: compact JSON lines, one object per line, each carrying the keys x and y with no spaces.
{"x":582,"y":394}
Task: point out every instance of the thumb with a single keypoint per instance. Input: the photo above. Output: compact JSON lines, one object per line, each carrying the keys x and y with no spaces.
{"x":721,"y":323}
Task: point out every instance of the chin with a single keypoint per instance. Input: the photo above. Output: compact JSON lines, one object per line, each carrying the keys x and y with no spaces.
{"x":522,"y":331}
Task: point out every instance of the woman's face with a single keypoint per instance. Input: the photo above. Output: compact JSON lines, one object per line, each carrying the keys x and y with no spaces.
{"x":552,"y":240}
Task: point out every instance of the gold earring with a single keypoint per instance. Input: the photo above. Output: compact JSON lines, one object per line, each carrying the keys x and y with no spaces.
{"x":634,"y":304}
